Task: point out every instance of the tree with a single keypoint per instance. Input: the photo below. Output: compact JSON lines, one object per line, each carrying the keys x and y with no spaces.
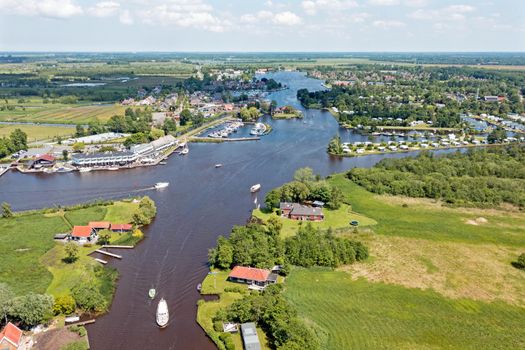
{"x":88,"y":297}
{"x":64,"y":305}
{"x":80,"y":132}
{"x":104,"y":237}
{"x":304,"y":175}
{"x":224,"y":256}
{"x":169,"y":126}
{"x":19,"y":139}
{"x":6,"y":210}
{"x":156,"y":133}
{"x":272,"y":199}
{"x":335,"y":146}
{"x":497,"y":135}
{"x":185,"y":116}
{"x":71,"y":250}
{"x":148,"y":208}
{"x":520,"y":262}
{"x":33,"y":309}
{"x":78,"y":146}
{"x":65,"y":154}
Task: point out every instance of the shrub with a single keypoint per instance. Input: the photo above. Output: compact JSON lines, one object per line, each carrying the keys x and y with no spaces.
{"x":64,"y":305}
{"x":217,"y":326}
{"x":520,"y":262}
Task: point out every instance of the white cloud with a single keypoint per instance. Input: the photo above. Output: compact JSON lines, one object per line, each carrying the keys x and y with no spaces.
{"x":359,"y":17}
{"x":286,"y":18}
{"x":388,"y":24}
{"x":311,"y":7}
{"x":104,"y":9}
{"x":383,"y":2}
{"x":44,"y":8}
{"x":415,"y":3}
{"x":126,"y":17}
{"x":449,"y":13}
{"x":254,"y":18}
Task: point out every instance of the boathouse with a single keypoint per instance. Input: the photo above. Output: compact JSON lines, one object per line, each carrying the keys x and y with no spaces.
{"x":121,"y":227}
{"x":83,"y":234}
{"x":249,"y":336}
{"x":296,"y":211}
{"x":252,"y":275}
{"x":10,"y":337}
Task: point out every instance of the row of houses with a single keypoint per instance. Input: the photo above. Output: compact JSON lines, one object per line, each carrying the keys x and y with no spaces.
{"x":142,"y":153}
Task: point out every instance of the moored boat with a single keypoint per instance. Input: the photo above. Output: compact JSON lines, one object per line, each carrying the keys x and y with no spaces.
{"x":152,"y":293}
{"x":218,"y":165}
{"x":255,"y":188}
{"x":160,"y":185}
{"x":185,"y":151}
{"x":85,"y":170}
{"x":163,"y":315}
{"x":199,"y":287}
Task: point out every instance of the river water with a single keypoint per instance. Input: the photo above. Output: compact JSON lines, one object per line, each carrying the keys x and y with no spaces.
{"x":201,"y":203}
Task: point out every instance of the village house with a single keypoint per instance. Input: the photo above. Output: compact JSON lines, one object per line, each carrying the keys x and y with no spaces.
{"x":252,"y":275}
{"x":10,"y":337}
{"x":99,"y":225}
{"x":83,"y":234}
{"x":296,"y":211}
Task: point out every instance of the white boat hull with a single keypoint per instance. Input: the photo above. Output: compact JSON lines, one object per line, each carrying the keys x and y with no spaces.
{"x":163,"y":316}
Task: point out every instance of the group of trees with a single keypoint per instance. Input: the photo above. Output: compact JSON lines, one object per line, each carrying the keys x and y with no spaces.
{"x":248,"y":114}
{"x":276,"y":316}
{"x":30,"y":309}
{"x":306,"y":186}
{"x":146,"y":212}
{"x":133,"y":121}
{"x":260,"y":245}
{"x":335,"y":146}
{"x":483,"y":177}
{"x":186,"y":116}
{"x":16,"y":141}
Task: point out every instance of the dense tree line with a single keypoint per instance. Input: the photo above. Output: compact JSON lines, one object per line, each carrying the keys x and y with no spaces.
{"x":16,"y":141}
{"x":306,"y":186}
{"x":483,"y":177}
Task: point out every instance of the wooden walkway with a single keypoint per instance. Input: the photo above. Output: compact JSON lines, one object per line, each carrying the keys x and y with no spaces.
{"x":101,"y":261}
{"x":109,"y":254}
{"x":119,"y":246}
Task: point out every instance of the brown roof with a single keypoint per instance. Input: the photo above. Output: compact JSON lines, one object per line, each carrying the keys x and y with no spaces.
{"x":121,"y":227}
{"x":81,"y":231}
{"x":12,"y":334}
{"x":99,"y":224}
{"x":249,"y":273}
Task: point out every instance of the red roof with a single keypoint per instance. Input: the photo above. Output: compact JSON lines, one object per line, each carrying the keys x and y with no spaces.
{"x":12,"y":334}
{"x":121,"y":227}
{"x":99,"y":224}
{"x":249,"y":273}
{"x":47,"y":157}
{"x":81,"y":231}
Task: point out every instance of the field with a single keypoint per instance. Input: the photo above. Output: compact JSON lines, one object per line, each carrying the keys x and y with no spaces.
{"x":37,"y":132}
{"x":36,"y":111}
{"x":32,"y":262}
{"x":335,"y":219}
{"x":356,"y":314}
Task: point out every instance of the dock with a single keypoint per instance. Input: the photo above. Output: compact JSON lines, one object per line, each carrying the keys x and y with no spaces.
{"x":119,"y":246}
{"x":103,"y":262}
{"x":83,"y":323}
{"x":109,"y":254}
{"x":3,"y":170}
{"x":218,"y":140}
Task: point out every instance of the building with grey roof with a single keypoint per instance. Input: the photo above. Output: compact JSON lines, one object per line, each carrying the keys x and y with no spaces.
{"x":249,"y":336}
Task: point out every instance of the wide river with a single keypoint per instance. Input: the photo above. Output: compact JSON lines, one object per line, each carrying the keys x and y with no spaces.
{"x":201,"y":203}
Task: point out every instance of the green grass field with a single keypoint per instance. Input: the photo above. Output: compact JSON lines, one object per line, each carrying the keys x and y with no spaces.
{"x":336,"y":219}
{"x":419,"y":220}
{"x":38,"y":132}
{"x":352,"y":314}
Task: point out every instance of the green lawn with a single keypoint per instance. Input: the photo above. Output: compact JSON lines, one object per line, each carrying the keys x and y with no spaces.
{"x":215,"y":282}
{"x":82,"y":217}
{"x":361,"y":315}
{"x":121,"y":212}
{"x":336,"y":219}
{"x":38,"y":132}
{"x":433,"y":222}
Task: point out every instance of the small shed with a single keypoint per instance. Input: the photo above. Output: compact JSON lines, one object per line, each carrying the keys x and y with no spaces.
{"x":249,"y":336}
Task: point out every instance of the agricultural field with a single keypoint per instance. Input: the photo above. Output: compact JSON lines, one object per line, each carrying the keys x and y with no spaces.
{"x":357,"y":314}
{"x":37,"y":132}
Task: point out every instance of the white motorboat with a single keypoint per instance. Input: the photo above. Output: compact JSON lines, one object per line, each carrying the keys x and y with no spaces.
{"x":163,"y":315}
{"x":255,"y":188}
{"x":85,"y":170}
{"x":185,"y":151}
{"x":113,"y":168}
{"x":152,"y":293}
{"x":160,"y":185}
{"x":218,"y":165}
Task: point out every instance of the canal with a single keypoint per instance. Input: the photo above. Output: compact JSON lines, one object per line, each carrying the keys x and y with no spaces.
{"x":201,"y":203}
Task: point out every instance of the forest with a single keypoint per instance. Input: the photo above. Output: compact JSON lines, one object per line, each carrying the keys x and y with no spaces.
{"x":482,"y":177}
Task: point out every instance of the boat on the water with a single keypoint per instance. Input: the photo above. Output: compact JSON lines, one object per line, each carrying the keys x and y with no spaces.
{"x":63,"y":170}
{"x":255,"y":188}
{"x":152,"y":293}
{"x":85,"y":170}
{"x":163,"y":163}
{"x":199,"y":287}
{"x":218,"y":165}
{"x":186,"y":150}
{"x":163,"y":315}
{"x":113,"y":168}
{"x":160,"y":185}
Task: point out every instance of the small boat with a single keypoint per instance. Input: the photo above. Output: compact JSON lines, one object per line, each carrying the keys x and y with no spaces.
{"x":152,"y":293}
{"x":163,"y":163}
{"x":185,"y":151}
{"x":63,"y":170}
{"x":199,"y":287}
{"x":163,"y":315}
{"x":160,"y":185}
{"x":255,"y":188}
{"x":84,"y":170}
{"x":113,"y":168}
{"x":71,"y":319}
{"x":218,"y":165}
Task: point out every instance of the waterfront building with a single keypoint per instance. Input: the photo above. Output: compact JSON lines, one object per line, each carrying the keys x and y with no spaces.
{"x":296,"y":211}
{"x":43,"y":161}
{"x":99,"y":225}
{"x":83,"y":234}
{"x":121,"y":227}
{"x":252,"y":275}
{"x":104,"y":159}
{"x":249,"y":336}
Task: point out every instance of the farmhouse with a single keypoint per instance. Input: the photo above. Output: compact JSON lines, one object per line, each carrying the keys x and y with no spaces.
{"x":296,"y":211}
{"x":249,"y":336}
{"x":10,"y":337}
{"x":251,"y":275}
{"x":83,"y":234}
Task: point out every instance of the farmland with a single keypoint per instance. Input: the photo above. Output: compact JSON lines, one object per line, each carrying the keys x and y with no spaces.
{"x":356,"y":314}
{"x":37,"y":132}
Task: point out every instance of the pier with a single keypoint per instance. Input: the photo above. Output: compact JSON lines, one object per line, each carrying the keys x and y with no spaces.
{"x":4,"y":169}
{"x":218,"y":140}
{"x":119,"y":246}
{"x":103,"y":262}
{"x":109,"y":254}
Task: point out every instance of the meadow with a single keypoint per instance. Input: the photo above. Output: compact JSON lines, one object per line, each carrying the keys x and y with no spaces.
{"x":37,"y":132}
{"x":356,"y":314}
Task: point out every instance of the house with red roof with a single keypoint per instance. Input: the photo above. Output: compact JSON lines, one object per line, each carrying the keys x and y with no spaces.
{"x":252,"y":275}
{"x":121,"y":227}
{"x":99,"y":225}
{"x":83,"y":234}
{"x":10,"y":337}
{"x":43,"y":161}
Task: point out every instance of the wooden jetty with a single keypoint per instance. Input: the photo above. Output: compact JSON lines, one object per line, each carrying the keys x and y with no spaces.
{"x":108,"y":253}
{"x":3,"y":170}
{"x":119,"y":246}
{"x":101,"y":261}
{"x":83,"y":323}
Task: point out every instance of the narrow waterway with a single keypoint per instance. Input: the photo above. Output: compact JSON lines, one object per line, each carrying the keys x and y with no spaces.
{"x":201,"y":203}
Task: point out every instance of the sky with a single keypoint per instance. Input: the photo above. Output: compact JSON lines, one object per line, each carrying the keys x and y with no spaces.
{"x":265,"y":25}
